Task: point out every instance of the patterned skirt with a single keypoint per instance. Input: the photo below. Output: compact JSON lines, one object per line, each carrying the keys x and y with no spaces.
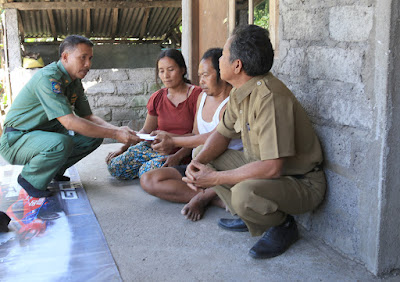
{"x":135,"y":161}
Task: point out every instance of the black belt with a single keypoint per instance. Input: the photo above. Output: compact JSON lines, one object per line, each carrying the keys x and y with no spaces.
{"x":10,"y":129}
{"x":301,"y":176}
{"x":317,"y":168}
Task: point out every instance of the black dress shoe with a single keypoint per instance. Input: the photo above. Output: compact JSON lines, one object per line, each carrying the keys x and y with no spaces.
{"x":32,"y":191}
{"x":4,"y":221}
{"x":58,"y":177}
{"x":276,"y":240}
{"x":237,"y":225}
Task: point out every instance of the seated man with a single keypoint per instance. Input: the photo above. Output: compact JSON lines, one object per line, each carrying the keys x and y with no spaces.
{"x":166,"y":182}
{"x":50,"y":125}
{"x":279,"y":171}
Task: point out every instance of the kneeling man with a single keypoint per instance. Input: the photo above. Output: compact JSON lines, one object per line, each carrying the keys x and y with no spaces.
{"x":50,"y":125}
{"x":279,"y":171}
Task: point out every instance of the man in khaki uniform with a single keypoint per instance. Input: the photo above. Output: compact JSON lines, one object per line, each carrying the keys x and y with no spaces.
{"x":279,"y":171}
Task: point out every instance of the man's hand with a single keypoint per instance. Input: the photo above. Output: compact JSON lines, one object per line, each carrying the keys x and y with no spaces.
{"x":126,"y":135}
{"x":163,"y":143}
{"x":200,"y":176}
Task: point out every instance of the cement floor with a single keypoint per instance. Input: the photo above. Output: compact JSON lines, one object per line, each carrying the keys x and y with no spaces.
{"x":151,"y":241}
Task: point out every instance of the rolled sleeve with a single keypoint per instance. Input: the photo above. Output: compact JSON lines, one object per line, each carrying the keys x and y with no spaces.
{"x":276,"y":129}
{"x":226,"y":126}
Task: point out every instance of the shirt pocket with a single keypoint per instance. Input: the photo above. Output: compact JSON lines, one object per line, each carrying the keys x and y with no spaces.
{"x":253,"y":136}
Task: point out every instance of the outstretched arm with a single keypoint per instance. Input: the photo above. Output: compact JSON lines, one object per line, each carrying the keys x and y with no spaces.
{"x":99,"y":121}
{"x":89,"y":128}
{"x":215,"y":145}
{"x":165,"y":143}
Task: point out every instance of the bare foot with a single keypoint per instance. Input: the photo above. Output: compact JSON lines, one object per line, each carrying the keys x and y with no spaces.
{"x":218,"y":203}
{"x":194,"y":210}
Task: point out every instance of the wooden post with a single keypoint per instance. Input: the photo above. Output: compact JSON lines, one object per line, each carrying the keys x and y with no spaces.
{"x":7,"y":85}
{"x":274,"y":24}
{"x":251,"y":12}
{"x":187,"y":34}
{"x":232,"y":16}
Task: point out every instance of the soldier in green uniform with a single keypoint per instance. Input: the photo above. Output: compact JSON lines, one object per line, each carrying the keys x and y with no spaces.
{"x":50,"y":125}
{"x":279,"y":171}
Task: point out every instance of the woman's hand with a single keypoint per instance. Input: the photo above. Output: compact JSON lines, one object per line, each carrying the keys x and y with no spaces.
{"x":114,"y":154}
{"x":163,"y":143}
{"x":155,"y":132}
{"x":172,"y":160}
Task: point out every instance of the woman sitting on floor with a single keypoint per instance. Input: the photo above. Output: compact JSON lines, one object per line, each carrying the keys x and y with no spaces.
{"x":171,"y":110}
{"x":166,"y":183}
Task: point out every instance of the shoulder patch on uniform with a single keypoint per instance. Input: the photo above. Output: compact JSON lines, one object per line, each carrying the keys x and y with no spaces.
{"x":264,"y":90}
{"x":56,"y":87}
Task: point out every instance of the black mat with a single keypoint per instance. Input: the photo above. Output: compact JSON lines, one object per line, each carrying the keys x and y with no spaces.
{"x":51,"y":239}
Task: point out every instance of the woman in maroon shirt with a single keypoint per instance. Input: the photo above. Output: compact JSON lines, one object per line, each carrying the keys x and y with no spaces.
{"x":171,"y":109}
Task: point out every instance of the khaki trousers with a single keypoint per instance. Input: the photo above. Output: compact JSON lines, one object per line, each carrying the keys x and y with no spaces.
{"x":263,"y":203}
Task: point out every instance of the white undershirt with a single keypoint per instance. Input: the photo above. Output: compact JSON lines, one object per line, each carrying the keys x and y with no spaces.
{"x":205,"y":127}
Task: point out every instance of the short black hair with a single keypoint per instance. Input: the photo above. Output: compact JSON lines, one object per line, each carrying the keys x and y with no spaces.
{"x":71,"y":41}
{"x":251,"y":45}
{"x":214,"y":54}
{"x":175,"y":55}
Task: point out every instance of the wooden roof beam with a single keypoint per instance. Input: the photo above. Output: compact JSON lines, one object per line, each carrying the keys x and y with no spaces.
{"x":21,"y":27}
{"x":114,"y":22}
{"x":25,"y":6}
{"x":144,"y":23}
{"x":88,"y":22}
{"x":52,"y":24}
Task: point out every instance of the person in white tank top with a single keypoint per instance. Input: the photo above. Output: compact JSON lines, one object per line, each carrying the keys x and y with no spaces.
{"x":166,"y":182}
{"x":206,"y":127}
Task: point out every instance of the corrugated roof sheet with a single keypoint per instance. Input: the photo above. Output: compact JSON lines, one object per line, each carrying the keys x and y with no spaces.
{"x":144,"y":23}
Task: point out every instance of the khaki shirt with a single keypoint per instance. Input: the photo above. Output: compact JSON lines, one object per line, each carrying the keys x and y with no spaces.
{"x":272,"y":124}
{"x":49,"y":94}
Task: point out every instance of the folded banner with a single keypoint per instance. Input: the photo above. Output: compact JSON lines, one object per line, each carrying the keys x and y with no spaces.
{"x":51,"y":239}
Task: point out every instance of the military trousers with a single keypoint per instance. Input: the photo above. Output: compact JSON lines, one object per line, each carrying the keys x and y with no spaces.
{"x":263,"y":203}
{"x":45,"y":154}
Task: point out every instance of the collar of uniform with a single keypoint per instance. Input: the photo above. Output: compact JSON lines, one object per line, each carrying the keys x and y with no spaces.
{"x":66,"y":79}
{"x":245,"y":90}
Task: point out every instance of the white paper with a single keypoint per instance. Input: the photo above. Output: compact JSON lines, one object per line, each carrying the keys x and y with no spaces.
{"x":145,"y":136}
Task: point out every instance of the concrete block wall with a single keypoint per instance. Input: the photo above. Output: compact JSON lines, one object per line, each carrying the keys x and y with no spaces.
{"x":120,"y":96}
{"x":327,"y":57}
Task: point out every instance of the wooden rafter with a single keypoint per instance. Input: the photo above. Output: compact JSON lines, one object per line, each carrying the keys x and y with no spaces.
{"x":124,"y":41}
{"x":25,"y":6}
{"x":144,"y":23}
{"x":52,"y":24}
{"x":20,"y":27}
{"x":87,"y":26}
{"x":114,"y":22}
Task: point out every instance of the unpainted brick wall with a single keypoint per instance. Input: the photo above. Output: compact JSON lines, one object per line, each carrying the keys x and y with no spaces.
{"x":119,"y":96}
